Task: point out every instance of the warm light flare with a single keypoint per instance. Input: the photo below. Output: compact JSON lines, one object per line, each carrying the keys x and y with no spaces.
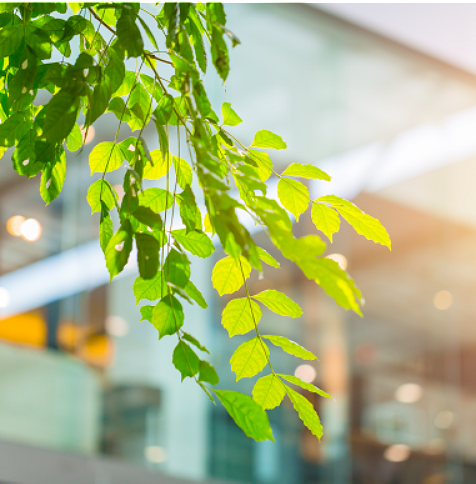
{"x":409,"y":393}
{"x":397,"y":453}
{"x":306,"y":373}
{"x":14,"y":225}
{"x":443,"y":300}
{"x":340,"y":259}
{"x":30,"y":229}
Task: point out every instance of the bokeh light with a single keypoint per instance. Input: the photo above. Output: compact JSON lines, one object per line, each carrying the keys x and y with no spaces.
{"x":306,"y":373}
{"x":397,"y":453}
{"x":30,"y":229}
{"x":14,"y":225}
{"x":443,"y":300}
{"x":340,"y":259}
{"x":409,"y":393}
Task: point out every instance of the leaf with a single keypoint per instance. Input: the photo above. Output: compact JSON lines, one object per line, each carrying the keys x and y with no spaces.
{"x":167,"y":316}
{"x":230,"y":118}
{"x":146,"y":313}
{"x":14,"y":128}
{"x":60,"y":116}
{"x":326,"y":219}
{"x":101,"y":191}
{"x":279,"y":303}
{"x":118,"y":249}
{"x":195,"y":242}
{"x":159,"y":168}
{"x":177,"y":268}
{"x":306,"y":171}
{"x":267,"y":258}
{"x":183,"y":172}
{"x":164,"y":109}
{"x":249,"y":358}
{"x":10,"y":39}
{"x":129,"y":34}
{"x":185,"y":360}
{"x":106,"y":228}
{"x":247,"y":414}
{"x":306,"y":386}
{"x":306,"y":412}
{"x":74,"y":140}
{"x":195,"y":294}
{"x":263,"y":160}
{"x":240,"y":316}
{"x":366,"y":225}
{"x":290,"y":347}
{"x":269,"y":392}
{"x":147,"y":255}
{"x":157,"y":199}
{"x":294,"y":196}
{"x":150,"y":289}
{"x":208,"y":373}
{"x":189,"y":212}
{"x":230,"y":274}
{"x":267,"y":139}
{"x":194,"y":341}
{"x":105,"y":157}
{"x":52,"y":178}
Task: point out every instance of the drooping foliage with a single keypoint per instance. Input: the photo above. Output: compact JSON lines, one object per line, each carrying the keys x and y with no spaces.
{"x":79,"y":57}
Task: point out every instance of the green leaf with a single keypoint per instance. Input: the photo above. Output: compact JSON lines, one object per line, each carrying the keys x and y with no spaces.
{"x":195,"y":242}
{"x":14,"y":129}
{"x":167,"y":316}
{"x":269,"y":392}
{"x":189,"y":212}
{"x":247,"y":414}
{"x":306,"y":171}
{"x":118,"y":249}
{"x":60,"y":116}
{"x":240,"y":316}
{"x":10,"y":39}
{"x":195,"y":294}
{"x":229,"y":274}
{"x":74,"y":140}
{"x":267,"y":139}
{"x":129,"y":34}
{"x":164,"y":109}
{"x":208,"y":373}
{"x":101,"y":191}
{"x":159,"y":168}
{"x":230,"y":118}
{"x":263,"y":160}
{"x":249,"y":358}
{"x":147,"y":255}
{"x":267,"y":258}
{"x":146,"y":313}
{"x":306,"y":412}
{"x":290,"y":347}
{"x":279,"y":303}
{"x":147,"y":217}
{"x":194,"y":341}
{"x":157,"y":199}
{"x":306,"y":386}
{"x":52,"y":178}
{"x":183,"y":172}
{"x":106,"y":228}
{"x":294,"y":196}
{"x":177,"y":268}
{"x":326,"y":219}
{"x":150,"y":289}
{"x":185,"y":360}
{"x":106,"y":156}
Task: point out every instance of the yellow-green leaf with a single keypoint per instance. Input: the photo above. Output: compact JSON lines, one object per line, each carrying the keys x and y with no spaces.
{"x":306,"y":386}
{"x":306,"y":171}
{"x":263,"y":160}
{"x":279,"y":303}
{"x":118,"y":249}
{"x":230,"y":118}
{"x":294,"y":196}
{"x":249,"y":358}
{"x":247,"y":414}
{"x":156,"y":199}
{"x":195,"y":242}
{"x":159,"y":168}
{"x":208,"y":373}
{"x":290,"y":347}
{"x":183,"y":172}
{"x":306,"y":412}
{"x":267,"y":258}
{"x":267,"y":139}
{"x":240,"y":316}
{"x":106,"y":156}
{"x":150,"y":289}
{"x":326,"y":219}
{"x":229,"y":274}
{"x":269,"y":392}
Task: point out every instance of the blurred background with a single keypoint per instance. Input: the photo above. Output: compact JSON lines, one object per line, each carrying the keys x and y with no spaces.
{"x":383,"y":97}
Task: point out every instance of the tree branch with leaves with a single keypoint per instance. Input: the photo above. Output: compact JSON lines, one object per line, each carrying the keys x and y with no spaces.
{"x":95,"y":42}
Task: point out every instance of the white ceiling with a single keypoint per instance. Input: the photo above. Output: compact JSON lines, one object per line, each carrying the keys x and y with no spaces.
{"x":443,"y":30}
